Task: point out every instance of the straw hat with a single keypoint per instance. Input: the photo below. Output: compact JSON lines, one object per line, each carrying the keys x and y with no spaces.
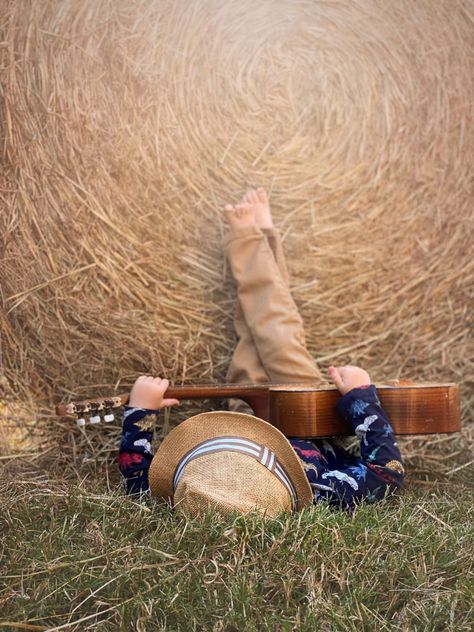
{"x":229,"y":462}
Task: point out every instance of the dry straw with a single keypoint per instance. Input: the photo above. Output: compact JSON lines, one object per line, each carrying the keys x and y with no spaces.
{"x":127,"y":125}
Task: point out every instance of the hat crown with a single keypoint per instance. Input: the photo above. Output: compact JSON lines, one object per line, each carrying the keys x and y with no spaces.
{"x":232,"y":445}
{"x":230,"y":481}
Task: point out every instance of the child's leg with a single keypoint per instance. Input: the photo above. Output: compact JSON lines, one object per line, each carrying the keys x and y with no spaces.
{"x":270,"y":313}
{"x":263,"y":218}
{"x":245,"y":365}
{"x":274,"y":241}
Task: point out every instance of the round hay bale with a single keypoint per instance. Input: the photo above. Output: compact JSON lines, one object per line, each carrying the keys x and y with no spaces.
{"x":129,"y":124}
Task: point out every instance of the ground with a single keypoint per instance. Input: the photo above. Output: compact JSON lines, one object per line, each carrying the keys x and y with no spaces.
{"x":78,"y":555}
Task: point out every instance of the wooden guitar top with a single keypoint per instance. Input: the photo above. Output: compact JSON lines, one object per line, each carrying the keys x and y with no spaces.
{"x":412,"y":409}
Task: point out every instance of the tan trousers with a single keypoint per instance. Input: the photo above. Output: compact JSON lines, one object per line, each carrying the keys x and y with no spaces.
{"x":271,"y":343}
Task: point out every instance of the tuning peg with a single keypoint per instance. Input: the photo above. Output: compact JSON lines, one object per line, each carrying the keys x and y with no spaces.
{"x":95,"y":413}
{"x":80,"y":411}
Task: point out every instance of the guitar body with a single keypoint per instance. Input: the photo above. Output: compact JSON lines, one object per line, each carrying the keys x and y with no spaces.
{"x":413,"y":409}
{"x":309,"y":410}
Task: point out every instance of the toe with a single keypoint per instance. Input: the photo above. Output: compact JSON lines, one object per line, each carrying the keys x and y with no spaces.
{"x":262,"y":195}
{"x":253,"y":198}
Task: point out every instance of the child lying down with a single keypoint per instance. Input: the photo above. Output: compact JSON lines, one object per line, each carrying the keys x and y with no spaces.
{"x":234,"y":461}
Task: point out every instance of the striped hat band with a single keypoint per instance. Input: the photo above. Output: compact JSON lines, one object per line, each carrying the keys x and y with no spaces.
{"x":237,"y":444}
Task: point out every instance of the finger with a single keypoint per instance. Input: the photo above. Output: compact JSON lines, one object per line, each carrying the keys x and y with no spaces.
{"x":342,"y":371}
{"x":164,"y":383}
{"x":170,"y":402}
{"x":335,"y":376}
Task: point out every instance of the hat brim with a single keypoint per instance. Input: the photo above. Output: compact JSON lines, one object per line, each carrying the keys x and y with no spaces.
{"x":214,"y":424}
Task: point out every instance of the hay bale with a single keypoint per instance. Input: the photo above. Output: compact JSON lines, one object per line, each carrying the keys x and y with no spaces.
{"x":128,"y":125}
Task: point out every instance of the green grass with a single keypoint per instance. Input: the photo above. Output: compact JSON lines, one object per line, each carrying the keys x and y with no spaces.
{"x":77,"y":558}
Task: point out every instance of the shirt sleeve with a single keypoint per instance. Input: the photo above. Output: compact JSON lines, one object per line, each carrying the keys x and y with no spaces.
{"x":361,"y":408}
{"x":135,"y":451}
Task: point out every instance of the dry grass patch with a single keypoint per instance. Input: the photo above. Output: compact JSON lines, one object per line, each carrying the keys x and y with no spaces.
{"x":127,"y":126}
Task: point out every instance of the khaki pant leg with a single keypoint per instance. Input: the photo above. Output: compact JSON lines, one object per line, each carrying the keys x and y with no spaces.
{"x":269,"y":311}
{"x":274,"y":240}
{"x":245,"y":365}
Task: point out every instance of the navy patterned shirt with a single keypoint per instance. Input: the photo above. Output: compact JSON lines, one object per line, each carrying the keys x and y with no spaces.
{"x":335,"y":475}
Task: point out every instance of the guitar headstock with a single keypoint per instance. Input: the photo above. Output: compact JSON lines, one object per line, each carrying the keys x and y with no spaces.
{"x":92,"y":411}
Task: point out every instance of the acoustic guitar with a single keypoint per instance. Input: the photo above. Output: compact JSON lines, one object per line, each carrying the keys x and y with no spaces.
{"x":307,"y":410}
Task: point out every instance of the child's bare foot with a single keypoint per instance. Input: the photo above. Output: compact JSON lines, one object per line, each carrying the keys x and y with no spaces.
{"x":259,"y":200}
{"x":240,"y":216}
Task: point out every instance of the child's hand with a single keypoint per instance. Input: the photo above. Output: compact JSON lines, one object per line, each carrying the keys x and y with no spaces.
{"x":348,"y":377}
{"x":148,"y":392}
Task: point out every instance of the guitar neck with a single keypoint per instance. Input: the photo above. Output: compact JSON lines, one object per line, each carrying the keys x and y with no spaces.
{"x":211,"y":391}
{"x":247,"y":392}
